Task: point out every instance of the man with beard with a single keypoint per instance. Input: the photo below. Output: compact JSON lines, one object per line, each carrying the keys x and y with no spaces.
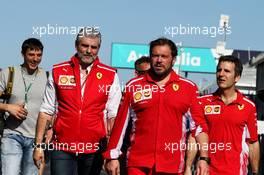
{"x":232,"y":123}
{"x":21,"y":110}
{"x":161,"y":100}
{"x":85,"y":95}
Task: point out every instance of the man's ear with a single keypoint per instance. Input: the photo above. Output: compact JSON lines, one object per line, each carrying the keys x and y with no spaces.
{"x":237,"y":78}
{"x":22,"y":54}
{"x":173,"y":61}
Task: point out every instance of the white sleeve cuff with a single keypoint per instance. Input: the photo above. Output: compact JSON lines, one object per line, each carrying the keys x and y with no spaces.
{"x":114,"y":153}
{"x":113,"y":98}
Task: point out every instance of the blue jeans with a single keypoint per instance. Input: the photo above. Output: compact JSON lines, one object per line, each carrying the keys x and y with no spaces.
{"x":16,"y":154}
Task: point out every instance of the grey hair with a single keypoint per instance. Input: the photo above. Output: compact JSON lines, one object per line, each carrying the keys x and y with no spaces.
{"x":90,"y":32}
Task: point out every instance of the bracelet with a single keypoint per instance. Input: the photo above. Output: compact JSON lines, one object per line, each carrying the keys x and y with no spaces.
{"x":207,"y":159}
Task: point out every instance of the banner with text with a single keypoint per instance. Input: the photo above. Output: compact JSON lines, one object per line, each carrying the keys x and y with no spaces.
{"x":189,"y":59}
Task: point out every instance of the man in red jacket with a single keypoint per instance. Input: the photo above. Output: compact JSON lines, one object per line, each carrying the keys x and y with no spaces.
{"x":84,"y":94}
{"x":161,"y":100}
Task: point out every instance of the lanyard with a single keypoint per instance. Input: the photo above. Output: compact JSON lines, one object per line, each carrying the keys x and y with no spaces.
{"x":27,"y":88}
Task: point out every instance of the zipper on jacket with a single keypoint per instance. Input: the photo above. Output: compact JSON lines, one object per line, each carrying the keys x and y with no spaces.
{"x":157,"y":128}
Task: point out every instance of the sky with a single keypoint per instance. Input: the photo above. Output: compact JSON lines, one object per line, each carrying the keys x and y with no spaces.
{"x":125,"y":21}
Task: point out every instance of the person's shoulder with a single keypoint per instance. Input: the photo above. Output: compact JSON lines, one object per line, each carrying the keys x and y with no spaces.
{"x":188,"y":85}
{"x":135,"y":80}
{"x":187,"y":82}
{"x":6,"y":70}
{"x":43,"y":71}
{"x":4,"y":73}
{"x":106,"y":67}
{"x":62,"y":64}
{"x":206,"y":97}
{"x":248,"y":101}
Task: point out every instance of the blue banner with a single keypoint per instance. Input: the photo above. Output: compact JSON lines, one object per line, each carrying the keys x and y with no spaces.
{"x":189,"y":59}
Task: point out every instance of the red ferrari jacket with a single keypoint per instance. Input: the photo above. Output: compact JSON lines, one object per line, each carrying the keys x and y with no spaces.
{"x":79,"y":125}
{"x":159,"y":124}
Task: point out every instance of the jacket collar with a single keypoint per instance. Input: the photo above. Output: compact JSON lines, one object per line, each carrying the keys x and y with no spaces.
{"x":76,"y":62}
{"x":238,"y":100}
{"x":173,"y":78}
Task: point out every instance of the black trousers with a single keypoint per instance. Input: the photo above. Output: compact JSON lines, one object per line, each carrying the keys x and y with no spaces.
{"x":65,"y":163}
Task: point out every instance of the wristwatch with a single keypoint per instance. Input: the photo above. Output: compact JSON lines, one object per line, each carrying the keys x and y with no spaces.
{"x":207,"y":159}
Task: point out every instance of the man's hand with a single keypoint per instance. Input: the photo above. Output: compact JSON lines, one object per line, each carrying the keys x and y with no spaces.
{"x":254,"y":156}
{"x":49,"y":136}
{"x":187,"y":171}
{"x":38,"y":157}
{"x":112,"y":167}
{"x":202,"y":168}
{"x":190,"y":155}
{"x":17,"y":110}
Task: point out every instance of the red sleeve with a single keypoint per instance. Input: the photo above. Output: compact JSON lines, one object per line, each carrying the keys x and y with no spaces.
{"x":116,"y":139}
{"x":198,"y":115}
{"x":252,"y":135}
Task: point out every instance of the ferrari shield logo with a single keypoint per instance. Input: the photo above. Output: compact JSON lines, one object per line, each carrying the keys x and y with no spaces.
{"x":99,"y":75}
{"x":241,"y":107}
{"x":175,"y":87}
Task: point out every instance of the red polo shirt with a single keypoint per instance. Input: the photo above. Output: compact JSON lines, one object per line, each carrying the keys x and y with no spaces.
{"x":230,"y":128}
